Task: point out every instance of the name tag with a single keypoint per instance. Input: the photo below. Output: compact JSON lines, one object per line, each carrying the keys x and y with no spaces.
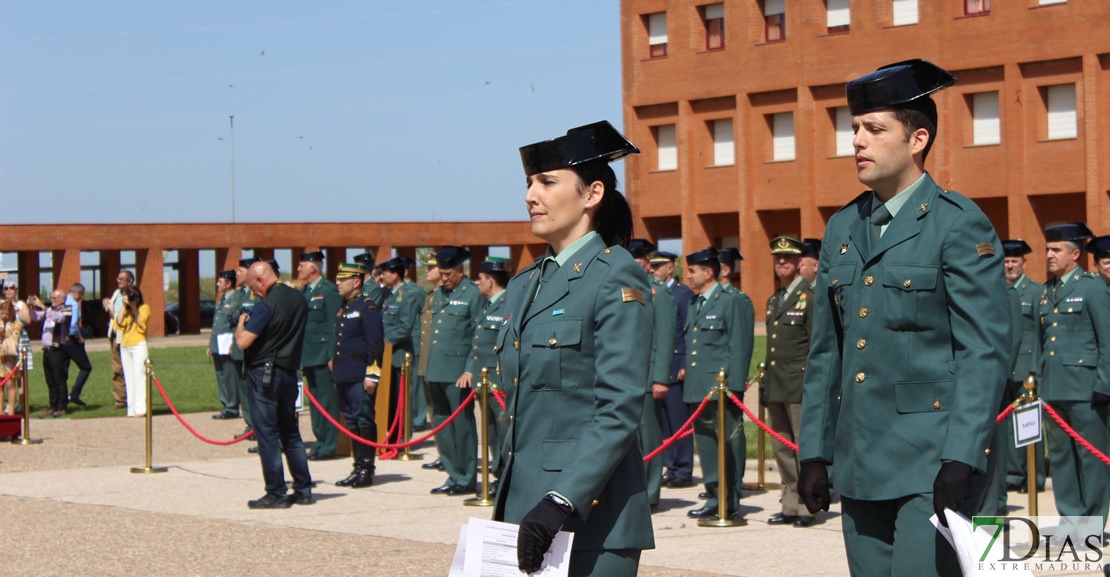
{"x":352,"y":315}
{"x":317,"y":298}
{"x":461,"y":303}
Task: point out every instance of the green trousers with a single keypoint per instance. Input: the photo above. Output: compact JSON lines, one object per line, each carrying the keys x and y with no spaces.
{"x":705,"y":437}
{"x":650,"y":436}
{"x":1079,"y":480}
{"x":227,"y":386}
{"x":318,"y":380}
{"x":894,"y":538}
{"x":458,"y":442}
{"x":604,"y":562}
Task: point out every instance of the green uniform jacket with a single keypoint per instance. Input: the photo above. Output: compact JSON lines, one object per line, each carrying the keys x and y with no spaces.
{"x":911,"y":345}
{"x":485,"y":340}
{"x":1075,"y":338}
{"x":580,"y":378}
{"x":720,"y":337}
{"x":454,"y":316}
{"x":401,"y":319}
{"x":662,"y":343}
{"x":421,"y":297}
{"x":319,"y":332}
{"x":226,"y":318}
{"x":1029,"y":353}
{"x":247,"y":300}
{"x":375,"y":292}
{"x":788,"y":330}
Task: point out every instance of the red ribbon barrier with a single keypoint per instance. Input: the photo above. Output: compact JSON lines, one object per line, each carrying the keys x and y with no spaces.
{"x":761,"y":424}
{"x":370,"y":443}
{"x":190,"y":428}
{"x":1074,"y":435}
{"x":684,"y":431}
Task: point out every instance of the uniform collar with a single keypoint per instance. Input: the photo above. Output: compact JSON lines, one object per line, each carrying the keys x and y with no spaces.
{"x":794,"y":284}
{"x":562,"y":258}
{"x":493,"y":299}
{"x":709,"y":292}
{"x":312,"y":285}
{"x":895,"y":204}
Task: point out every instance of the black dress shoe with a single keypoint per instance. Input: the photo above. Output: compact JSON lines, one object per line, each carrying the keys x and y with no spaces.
{"x":1012,"y":487}
{"x":350,"y":479}
{"x":780,"y":519}
{"x":442,"y":489}
{"x":271,"y":502}
{"x":704,"y":495}
{"x":253,"y":450}
{"x":460,"y":490}
{"x":1024,"y":490}
{"x":78,"y":402}
{"x":677,"y":483}
{"x":363,"y":479}
{"x":321,"y":457}
{"x":805,"y":522}
{"x":295,"y":499}
{"x":222,"y":416}
{"x":703,"y":513}
{"x":436,"y":464}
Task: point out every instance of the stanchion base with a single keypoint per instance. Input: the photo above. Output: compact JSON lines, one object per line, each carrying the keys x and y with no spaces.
{"x":763,"y":487}
{"x":404,"y":457}
{"x":24,"y":441}
{"x":718,"y":522}
{"x":478,"y":502}
{"x":146,"y":470}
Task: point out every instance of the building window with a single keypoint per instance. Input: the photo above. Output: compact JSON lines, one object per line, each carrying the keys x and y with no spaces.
{"x":714,"y":26}
{"x":667,"y":147}
{"x":972,"y":7}
{"x":724,"y":151}
{"x":986,"y":127}
{"x":837,"y":16}
{"x":1062,"y":120}
{"x":782,"y":136}
{"x":657,"y":34}
{"x":905,"y":12}
{"x":774,"y":20}
{"x":844,"y":133}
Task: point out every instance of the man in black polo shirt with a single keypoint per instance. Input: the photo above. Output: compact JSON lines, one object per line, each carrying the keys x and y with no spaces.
{"x":271,"y":337}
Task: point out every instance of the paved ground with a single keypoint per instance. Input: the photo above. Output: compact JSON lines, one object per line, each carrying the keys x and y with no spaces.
{"x":72,"y":506}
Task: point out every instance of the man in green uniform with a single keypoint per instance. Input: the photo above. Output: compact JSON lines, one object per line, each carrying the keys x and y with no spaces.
{"x":401,"y":318}
{"x":224,"y":322}
{"x":1075,"y":372}
{"x":1100,"y":249}
{"x":810,"y":259}
{"x":909,"y":353}
{"x":370,"y":288}
{"x":493,"y":277}
{"x":789,"y":323}
{"x":727,"y":258}
{"x":434,"y":279}
{"x":319,"y":347}
{"x":720,"y":333}
{"x":678,"y":459}
{"x":665,"y":313}
{"x":456,"y":309}
{"x":247,"y":300}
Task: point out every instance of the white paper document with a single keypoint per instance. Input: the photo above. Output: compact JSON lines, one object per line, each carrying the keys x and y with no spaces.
{"x":969,"y":544}
{"x":223,"y":343}
{"x":488,"y":549}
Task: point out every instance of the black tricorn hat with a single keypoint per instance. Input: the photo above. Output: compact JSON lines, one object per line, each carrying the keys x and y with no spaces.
{"x":597,"y":141}
{"x":493,"y":264}
{"x":1017,"y":247}
{"x":812,"y":247}
{"x":1099,"y":246}
{"x":702,"y":256}
{"x":393,"y":265}
{"x":663,"y":257}
{"x":247,"y":262}
{"x":313,"y":256}
{"x":228,"y":274}
{"x":451,"y":256}
{"x":273,"y":264}
{"x":366,"y":258}
{"x":640,"y":247}
{"x":1072,"y":231}
{"x":729,"y":255}
{"x":896,"y":84}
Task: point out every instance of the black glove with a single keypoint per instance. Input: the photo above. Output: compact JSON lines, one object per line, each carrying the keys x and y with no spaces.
{"x":1098,"y":399}
{"x":952,"y":488}
{"x":813,"y":486}
{"x":537,"y":530}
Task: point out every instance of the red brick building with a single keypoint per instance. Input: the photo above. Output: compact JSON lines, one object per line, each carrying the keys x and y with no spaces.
{"x":739,"y":109}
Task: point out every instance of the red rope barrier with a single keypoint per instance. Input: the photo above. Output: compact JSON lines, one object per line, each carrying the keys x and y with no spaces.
{"x":9,"y":377}
{"x":500,"y":398}
{"x":395,"y":428}
{"x":1071,"y":433}
{"x":684,"y":431}
{"x":761,"y":424}
{"x":1005,"y":413}
{"x":190,"y":428}
{"x":367,"y":442}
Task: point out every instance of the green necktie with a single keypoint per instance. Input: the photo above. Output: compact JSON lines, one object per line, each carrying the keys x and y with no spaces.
{"x":880,"y":216}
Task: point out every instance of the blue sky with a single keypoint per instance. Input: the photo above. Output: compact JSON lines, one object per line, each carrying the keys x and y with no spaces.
{"x":363,"y":111}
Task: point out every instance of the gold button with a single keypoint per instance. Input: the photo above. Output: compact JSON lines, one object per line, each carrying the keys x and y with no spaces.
{"x":834,"y":281}
{"x":860,"y":377}
{"x":337,"y":353}
{"x":695,"y":329}
{"x":510,"y":453}
{"x":512,"y":418}
{"x":1055,"y":310}
{"x":552,"y":341}
{"x":868,"y":280}
{"x":936,"y":404}
{"x":776,"y":323}
{"x":434,"y":342}
{"x":436,"y":331}
{"x":595,"y":502}
{"x":1054,"y":324}
{"x":1053,"y":339}
{"x":440,"y":321}
{"x":475,"y":356}
{"x":695,"y":342}
{"x":860,"y":344}
{"x":607,"y":251}
{"x":907,"y":283}
{"x":773,"y":336}
{"x":514,"y":380}
{"x":772,"y":363}
{"x":863,"y":313}
{"x":694,"y":364}
{"x":1080,"y":361}
{"x":1069,"y":309}
{"x":987,"y":452}
{"x":693,"y":353}
{"x":772,"y":349}
{"x":1052,"y":353}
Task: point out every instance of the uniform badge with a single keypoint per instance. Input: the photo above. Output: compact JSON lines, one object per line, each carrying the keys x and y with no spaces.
{"x":922,"y":207}
{"x":844,"y":248}
{"x":556,"y":313}
{"x":398,"y":299}
{"x":578,"y":267}
{"x":318,"y":298}
{"x":985,"y":249}
{"x":631,"y":294}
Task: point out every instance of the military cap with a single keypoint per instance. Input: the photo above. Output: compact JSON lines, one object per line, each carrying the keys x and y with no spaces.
{"x":247,"y":262}
{"x":1099,"y":246}
{"x":729,"y":256}
{"x":228,"y":274}
{"x":812,"y":247}
{"x":597,"y":141}
{"x":640,"y":247}
{"x":1016,"y":247}
{"x":274,"y":265}
{"x":785,"y":244}
{"x":896,"y":85}
{"x":493,"y":264}
{"x":313,"y":256}
{"x":663,"y":257}
{"x":350,"y":270}
{"x":393,"y":265}
{"x":702,"y":256}
{"x":406,"y":261}
{"x":366,"y":258}
{"x":1073,"y":231}
{"x":451,"y":256}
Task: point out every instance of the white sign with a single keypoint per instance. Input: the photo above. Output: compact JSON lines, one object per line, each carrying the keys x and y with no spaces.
{"x":1027,"y":424}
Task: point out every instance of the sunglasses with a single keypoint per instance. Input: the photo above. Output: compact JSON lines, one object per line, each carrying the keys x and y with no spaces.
{"x":9,"y":288}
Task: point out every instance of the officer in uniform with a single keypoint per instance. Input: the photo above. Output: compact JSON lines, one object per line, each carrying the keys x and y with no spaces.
{"x":678,"y":459}
{"x":356,"y":367}
{"x":456,"y":310}
{"x":720,"y":333}
{"x":402,"y":330}
{"x":247,"y":300}
{"x":910,"y":346}
{"x":371,"y":289}
{"x":224,"y":322}
{"x":319,"y":347}
{"x":665,"y":313}
{"x":1075,"y":371}
{"x":1100,"y":249}
{"x":789,"y":323}
{"x":493,"y":277}
{"x":433,"y":278}
{"x":810,"y":259}
{"x":727,"y":258}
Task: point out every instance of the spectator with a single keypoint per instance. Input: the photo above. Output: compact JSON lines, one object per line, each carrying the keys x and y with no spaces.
{"x":10,"y":330}
{"x":132,"y":321}
{"x":75,"y":344}
{"x":55,"y":361}
{"x":114,"y":305}
{"x":23,"y":315}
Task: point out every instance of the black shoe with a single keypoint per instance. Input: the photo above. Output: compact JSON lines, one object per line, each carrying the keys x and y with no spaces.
{"x":461,"y":490}
{"x":364,"y":479}
{"x":677,"y":483}
{"x":253,"y":449}
{"x":436,"y":464}
{"x":442,"y":489}
{"x":296,"y":499}
{"x":655,"y":509}
{"x":271,"y":502}
{"x":805,"y":522}
{"x":780,"y":519}
{"x":78,"y":402}
{"x":703,"y":513}
{"x":321,"y":457}
{"x":704,"y":495}
{"x":1023,"y":490}
{"x":350,"y":478}
{"x":222,"y":416}
{"x":493,"y":486}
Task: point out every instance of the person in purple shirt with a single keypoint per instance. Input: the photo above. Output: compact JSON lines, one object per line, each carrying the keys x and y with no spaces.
{"x":55,"y":328}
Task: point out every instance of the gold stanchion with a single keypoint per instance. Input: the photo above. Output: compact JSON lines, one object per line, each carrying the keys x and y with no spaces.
{"x":761,"y":444}
{"x":149,"y":425}
{"x":1031,"y":450}
{"x":484,"y":500}
{"x":27,"y":439}
{"x":722,"y":519}
{"x":406,"y":374}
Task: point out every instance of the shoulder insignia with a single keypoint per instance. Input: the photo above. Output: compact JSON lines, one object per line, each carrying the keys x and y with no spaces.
{"x":985,"y":249}
{"x":631,"y":294}
{"x":578,"y":267}
{"x":923,"y":207}
{"x":370,"y":303}
{"x":844,"y":248}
